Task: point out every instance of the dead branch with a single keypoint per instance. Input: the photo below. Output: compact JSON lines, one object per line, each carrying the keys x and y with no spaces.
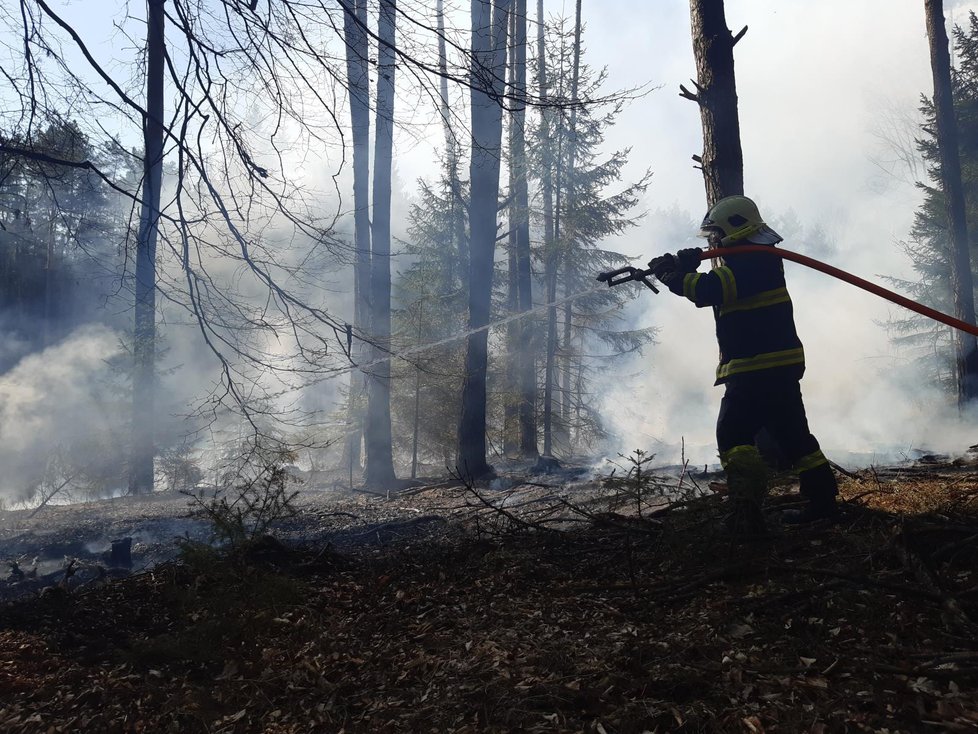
{"x":614,"y":520}
{"x":428,"y":487}
{"x":517,"y":521}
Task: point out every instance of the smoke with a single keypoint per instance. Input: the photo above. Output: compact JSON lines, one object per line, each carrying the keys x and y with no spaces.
{"x":866,"y":400}
{"x":55,"y":401}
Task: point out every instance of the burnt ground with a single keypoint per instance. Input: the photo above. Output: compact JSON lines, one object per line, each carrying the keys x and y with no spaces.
{"x":542,"y":607}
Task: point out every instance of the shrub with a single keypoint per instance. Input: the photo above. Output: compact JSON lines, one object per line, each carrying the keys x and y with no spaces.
{"x":254,"y":493}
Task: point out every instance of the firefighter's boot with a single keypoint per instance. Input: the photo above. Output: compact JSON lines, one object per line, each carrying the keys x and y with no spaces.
{"x":817,"y":485}
{"x":747,"y":479}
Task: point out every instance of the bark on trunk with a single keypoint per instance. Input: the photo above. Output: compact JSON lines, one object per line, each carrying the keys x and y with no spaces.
{"x":144,"y":336}
{"x":417,"y":400}
{"x":524,"y":275}
{"x":489,"y":68}
{"x":570,"y":235}
{"x":354,"y":23}
{"x":959,"y":257}
{"x":511,"y":400}
{"x":460,"y":260}
{"x":716,"y":93}
{"x":380,"y":461}
{"x":549,"y":245}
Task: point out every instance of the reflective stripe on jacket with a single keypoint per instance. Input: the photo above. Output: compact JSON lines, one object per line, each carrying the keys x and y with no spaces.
{"x":753,"y":312}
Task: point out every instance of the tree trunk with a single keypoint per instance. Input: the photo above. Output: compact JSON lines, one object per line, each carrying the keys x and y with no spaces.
{"x":511,"y":407}
{"x":144,"y":335}
{"x":457,"y":221}
{"x":380,"y":462}
{"x":549,"y":245}
{"x":716,"y":93}
{"x":417,"y":400}
{"x":354,"y":23}
{"x":959,"y":258}
{"x":518,"y":217}
{"x":489,"y":68}
{"x":49,"y":285}
{"x":570,"y":236}
{"x":524,"y":275}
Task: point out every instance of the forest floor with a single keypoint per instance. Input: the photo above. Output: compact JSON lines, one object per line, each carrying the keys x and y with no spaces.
{"x":535,"y":608}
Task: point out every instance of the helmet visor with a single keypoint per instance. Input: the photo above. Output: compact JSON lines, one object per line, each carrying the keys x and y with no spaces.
{"x":764,"y":236}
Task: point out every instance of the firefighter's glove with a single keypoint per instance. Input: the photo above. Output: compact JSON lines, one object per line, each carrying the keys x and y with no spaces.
{"x":689,"y":259}
{"x":663,"y":265}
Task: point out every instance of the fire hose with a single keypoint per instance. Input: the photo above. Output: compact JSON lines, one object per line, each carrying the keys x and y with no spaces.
{"x":623,"y":275}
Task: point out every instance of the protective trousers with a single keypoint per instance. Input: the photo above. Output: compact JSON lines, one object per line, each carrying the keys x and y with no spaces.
{"x":774,"y":403}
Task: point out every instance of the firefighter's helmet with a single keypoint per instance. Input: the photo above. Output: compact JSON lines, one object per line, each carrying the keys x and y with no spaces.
{"x":735,"y":219}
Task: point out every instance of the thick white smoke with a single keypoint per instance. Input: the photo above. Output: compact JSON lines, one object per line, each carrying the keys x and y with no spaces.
{"x":53,"y":400}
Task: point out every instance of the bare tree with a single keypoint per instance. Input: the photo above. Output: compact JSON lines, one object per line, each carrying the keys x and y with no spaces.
{"x":527,"y":351}
{"x":521,"y":430}
{"x":549,"y":238}
{"x":357,"y":52}
{"x":722,"y":159}
{"x":570,"y":283}
{"x":379,"y":468}
{"x":959,"y":257}
{"x":489,"y":25}
{"x":143,"y":448}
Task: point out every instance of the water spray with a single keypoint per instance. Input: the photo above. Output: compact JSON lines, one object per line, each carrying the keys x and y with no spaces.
{"x":624,"y":275}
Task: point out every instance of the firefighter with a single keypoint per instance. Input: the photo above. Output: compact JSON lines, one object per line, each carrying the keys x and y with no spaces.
{"x":761,"y":363}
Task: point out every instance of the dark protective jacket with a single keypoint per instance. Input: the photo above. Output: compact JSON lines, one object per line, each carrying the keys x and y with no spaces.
{"x":754,"y":317}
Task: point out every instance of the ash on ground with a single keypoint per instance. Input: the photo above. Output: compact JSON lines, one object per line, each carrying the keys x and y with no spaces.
{"x":72,"y":545}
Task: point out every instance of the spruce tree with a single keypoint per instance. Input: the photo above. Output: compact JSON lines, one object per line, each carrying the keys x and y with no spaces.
{"x":929,"y":244}
{"x":591,"y":205}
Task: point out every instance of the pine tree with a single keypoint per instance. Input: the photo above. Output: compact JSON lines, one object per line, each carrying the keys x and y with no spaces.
{"x":60,"y":235}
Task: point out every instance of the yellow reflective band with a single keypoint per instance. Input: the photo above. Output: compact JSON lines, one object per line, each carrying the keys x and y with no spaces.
{"x":739,"y":234}
{"x":727,"y":282}
{"x":761,"y":300}
{"x":765,"y":361}
{"x":689,"y":285}
{"x":745,"y":451}
{"x":812,"y":461}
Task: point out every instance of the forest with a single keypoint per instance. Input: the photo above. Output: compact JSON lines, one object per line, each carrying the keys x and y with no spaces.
{"x":340,"y":389}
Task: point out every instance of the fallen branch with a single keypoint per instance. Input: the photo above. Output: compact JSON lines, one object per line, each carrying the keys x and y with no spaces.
{"x":519,"y":522}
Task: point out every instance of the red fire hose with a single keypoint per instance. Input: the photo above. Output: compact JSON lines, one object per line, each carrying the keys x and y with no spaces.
{"x":847,"y":277}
